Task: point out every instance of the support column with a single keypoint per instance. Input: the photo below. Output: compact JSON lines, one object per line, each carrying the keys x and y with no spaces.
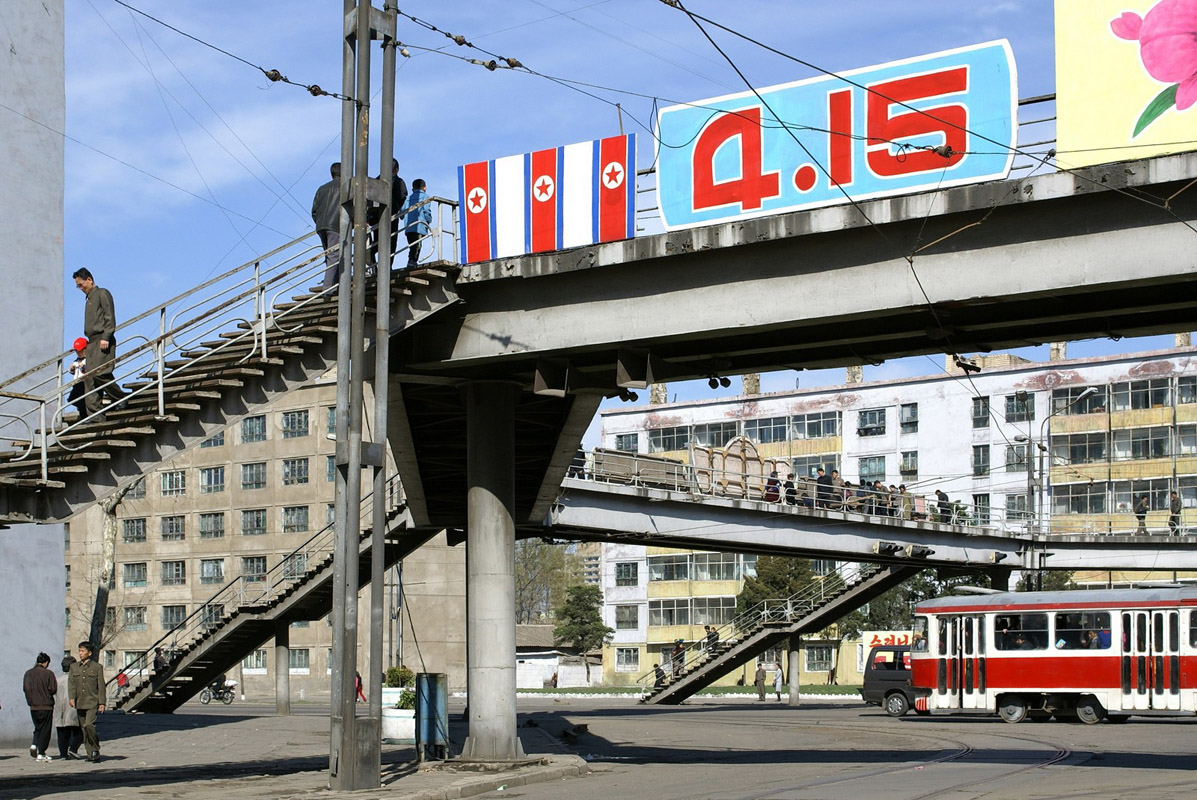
{"x":282,"y":669}
{"x":490,"y":572}
{"x":999,"y":578}
{"x":794,"y":661}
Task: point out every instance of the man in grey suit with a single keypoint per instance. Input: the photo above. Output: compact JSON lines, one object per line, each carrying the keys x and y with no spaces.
{"x":99,"y":326}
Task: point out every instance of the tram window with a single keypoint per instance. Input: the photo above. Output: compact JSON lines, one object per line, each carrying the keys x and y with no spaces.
{"x":1020,"y":632}
{"x":920,"y":634}
{"x":1157,"y":640}
{"x":1141,"y":633}
{"x":966,"y":625}
{"x":1173,"y":632}
{"x":1089,"y":630}
{"x":981,"y":636}
{"x":943,"y":636}
{"x":1193,"y":628}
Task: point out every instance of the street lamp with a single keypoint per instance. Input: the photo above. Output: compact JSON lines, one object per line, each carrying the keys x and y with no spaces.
{"x":1036,"y":481}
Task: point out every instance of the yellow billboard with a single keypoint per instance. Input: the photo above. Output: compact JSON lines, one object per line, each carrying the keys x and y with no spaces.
{"x":1126,"y":79}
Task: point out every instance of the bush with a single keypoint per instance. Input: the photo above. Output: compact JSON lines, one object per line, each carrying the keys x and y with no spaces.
{"x":407,"y":699}
{"x":400,"y":676}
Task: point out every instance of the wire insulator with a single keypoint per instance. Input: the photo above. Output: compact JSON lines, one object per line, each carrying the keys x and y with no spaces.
{"x":461,"y":40}
{"x":315,"y":90}
{"x":514,"y":63}
{"x":274,"y":75}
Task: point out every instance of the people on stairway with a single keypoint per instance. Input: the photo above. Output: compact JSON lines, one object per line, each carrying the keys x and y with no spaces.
{"x":326,"y":213}
{"x":78,"y":368}
{"x":417,"y":220}
{"x":374,"y":215}
{"x":99,"y":326}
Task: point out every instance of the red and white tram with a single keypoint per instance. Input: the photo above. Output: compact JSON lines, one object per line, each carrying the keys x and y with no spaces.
{"x":1029,"y":655}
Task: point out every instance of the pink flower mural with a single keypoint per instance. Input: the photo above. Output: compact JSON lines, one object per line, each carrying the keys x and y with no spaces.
{"x":1167,"y":38}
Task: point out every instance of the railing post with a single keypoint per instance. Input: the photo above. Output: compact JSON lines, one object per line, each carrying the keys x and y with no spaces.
{"x":260,"y":303}
{"x":45,"y":456}
{"x":160,"y":356}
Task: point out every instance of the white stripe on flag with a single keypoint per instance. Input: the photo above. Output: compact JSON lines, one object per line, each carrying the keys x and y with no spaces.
{"x":509,"y":206}
{"x":578,"y":201}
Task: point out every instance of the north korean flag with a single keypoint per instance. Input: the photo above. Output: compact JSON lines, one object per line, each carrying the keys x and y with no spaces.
{"x":615,"y":188}
{"x":544,"y":173}
{"x":475,"y":185}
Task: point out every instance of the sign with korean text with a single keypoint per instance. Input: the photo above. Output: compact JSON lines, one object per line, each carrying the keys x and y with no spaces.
{"x":1126,"y":79}
{"x":871,"y":639}
{"x":569,"y":196}
{"x":930,"y":122}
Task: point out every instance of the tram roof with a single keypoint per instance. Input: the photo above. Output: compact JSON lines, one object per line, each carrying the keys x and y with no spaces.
{"x":1099,"y":598}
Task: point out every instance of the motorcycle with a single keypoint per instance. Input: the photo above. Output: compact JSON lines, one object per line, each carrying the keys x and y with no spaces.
{"x":222,"y":691}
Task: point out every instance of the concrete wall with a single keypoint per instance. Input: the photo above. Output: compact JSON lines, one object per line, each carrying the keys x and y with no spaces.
{"x":31,"y":272}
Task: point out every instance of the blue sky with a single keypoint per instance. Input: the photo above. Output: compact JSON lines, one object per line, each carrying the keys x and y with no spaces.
{"x":206,"y":126}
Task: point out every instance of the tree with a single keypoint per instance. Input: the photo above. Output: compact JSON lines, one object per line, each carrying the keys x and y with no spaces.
{"x":542,"y":573}
{"x":1052,"y":581}
{"x":777,"y":578}
{"x":580,"y":622}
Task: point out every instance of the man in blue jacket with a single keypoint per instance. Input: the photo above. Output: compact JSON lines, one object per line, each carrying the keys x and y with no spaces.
{"x":417,"y":220}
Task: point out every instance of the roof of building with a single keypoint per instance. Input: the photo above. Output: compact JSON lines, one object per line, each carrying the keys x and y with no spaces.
{"x":538,"y":637}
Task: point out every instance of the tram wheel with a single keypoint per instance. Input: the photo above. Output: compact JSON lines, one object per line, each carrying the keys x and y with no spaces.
{"x":1089,"y":710}
{"x":1012,"y":708}
{"x":896,"y":704}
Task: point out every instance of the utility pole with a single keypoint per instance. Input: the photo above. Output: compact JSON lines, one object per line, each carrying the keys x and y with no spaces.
{"x":355,"y":749}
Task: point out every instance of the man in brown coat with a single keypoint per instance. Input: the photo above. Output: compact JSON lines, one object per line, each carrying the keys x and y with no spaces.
{"x":99,"y":326}
{"x":88,"y":696}
{"x":40,"y":685}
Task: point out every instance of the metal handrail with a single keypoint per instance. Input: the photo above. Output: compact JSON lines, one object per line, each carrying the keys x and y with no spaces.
{"x":247,"y":594}
{"x":778,"y":610}
{"x":235,"y":300}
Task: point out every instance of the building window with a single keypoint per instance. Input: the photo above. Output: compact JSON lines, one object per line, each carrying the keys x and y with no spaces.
{"x":1069,"y":401}
{"x":910,"y":417}
{"x":330,"y":514}
{"x":253,"y":522}
{"x":174,"y":528}
{"x":627,"y":659}
{"x":253,"y":476}
{"x":769,"y":430}
{"x":669,"y":568}
{"x":981,"y":509}
{"x":135,"y":659}
{"x":627,"y":618}
{"x":980,"y":412}
{"x":110,"y":618}
{"x":109,"y":659}
{"x":872,"y":469}
{"x":627,"y":442}
{"x":823,"y":566}
{"x":662,"y":440}
{"x":133,"y":574}
{"x":871,"y":422}
{"x":68,"y":576}
{"x":301,"y":623}
{"x":1080,"y":498}
{"x":713,"y":566}
{"x":295,"y":424}
{"x":212,"y":570}
{"x":133,"y":530}
{"x":135,"y":618}
{"x":1186,"y":389}
{"x":715,"y":434}
{"x":211,"y":525}
{"x":669,"y":612}
{"x":137,"y":492}
{"x":627,"y":573}
{"x":808,"y":466}
{"x":1156,"y":489}
{"x":174,"y":573}
{"x":211,"y":615}
{"x":1017,"y":509}
{"x":173,"y":617}
{"x":1017,"y":458}
{"x":330,"y":466}
{"x":818,"y":658}
{"x":253,"y":429}
{"x":295,"y":519}
{"x":211,"y":480}
{"x":1154,"y":393}
{"x":747,"y":565}
{"x":295,"y":471}
{"x":1186,"y":440}
{"x":1142,"y":443}
{"x":815,"y":426}
{"x":712,"y":610}
{"x":1020,"y":407}
{"x":910,"y":464}
{"x":330,"y":425}
{"x":255,"y":662}
{"x":174,"y":483}
{"x":1079,"y":448}
{"x":295,"y":565}
{"x":980,"y":460}
{"x":299,"y":662}
{"x":253,"y":568}
{"x":215,"y":440}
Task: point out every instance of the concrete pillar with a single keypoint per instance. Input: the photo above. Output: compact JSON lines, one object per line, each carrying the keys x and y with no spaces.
{"x":490,"y":572}
{"x":658,"y":393}
{"x":752,"y":383}
{"x":282,"y":669}
{"x":795,"y":669}
{"x":999,"y":578}
{"x":1058,"y":351}
{"x":854,"y":373}
{"x":1183,"y":340}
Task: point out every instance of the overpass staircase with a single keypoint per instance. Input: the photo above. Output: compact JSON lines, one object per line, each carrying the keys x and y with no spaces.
{"x":189,"y":368}
{"x":244,"y":614}
{"x":771,"y":623}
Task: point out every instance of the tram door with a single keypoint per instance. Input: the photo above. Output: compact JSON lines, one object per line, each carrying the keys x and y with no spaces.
{"x":1151,"y":660}
{"x":961,"y":663}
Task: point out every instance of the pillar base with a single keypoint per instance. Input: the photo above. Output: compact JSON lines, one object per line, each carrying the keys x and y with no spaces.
{"x":487,"y":750}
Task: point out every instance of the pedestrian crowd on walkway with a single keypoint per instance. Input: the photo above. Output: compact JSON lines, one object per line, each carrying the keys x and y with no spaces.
{"x":69,"y":702}
{"x":830,"y":491}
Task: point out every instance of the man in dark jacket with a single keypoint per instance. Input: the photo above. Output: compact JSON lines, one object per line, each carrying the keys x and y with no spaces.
{"x":88,"y":696}
{"x":824,"y":488}
{"x":99,"y":326}
{"x":374,"y":216}
{"x":326,"y":214}
{"x":40,"y":687}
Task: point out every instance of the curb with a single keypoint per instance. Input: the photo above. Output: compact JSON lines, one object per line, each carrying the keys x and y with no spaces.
{"x":558,"y":768}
